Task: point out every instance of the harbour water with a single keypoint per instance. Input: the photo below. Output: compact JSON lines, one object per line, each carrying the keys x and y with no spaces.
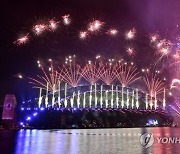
{"x":87,"y":141}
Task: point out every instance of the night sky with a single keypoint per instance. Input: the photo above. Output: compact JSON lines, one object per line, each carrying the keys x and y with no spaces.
{"x":18,"y":16}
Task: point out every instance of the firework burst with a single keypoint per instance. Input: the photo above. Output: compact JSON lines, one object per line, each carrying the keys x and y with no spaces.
{"x":53,"y":25}
{"x":72,"y":73}
{"x":66,"y":19}
{"x":174,"y":82}
{"x":163,"y":47}
{"x":154,"y":37}
{"x":130,"y":51}
{"x":154,"y":84}
{"x":176,"y":106}
{"x":95,"y":26}
{"x":83,"y":34}
{"x":22,"y":40}
{"x":92,"y":72}
{"x":39,"y":28}
{"x":176,"y":57}
{"x":130,"y":34}
{"x":112,"y":32}
{"x":127,"y":74}
{"x":49,"y":80}
{"x":108,"y":73}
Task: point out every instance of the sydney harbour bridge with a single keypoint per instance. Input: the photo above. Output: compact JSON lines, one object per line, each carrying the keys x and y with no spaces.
{"x":123,"y":102}
{"x":94,"y":95}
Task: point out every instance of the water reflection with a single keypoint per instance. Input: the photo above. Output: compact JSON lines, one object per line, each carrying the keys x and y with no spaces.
{"x":87,"y":141}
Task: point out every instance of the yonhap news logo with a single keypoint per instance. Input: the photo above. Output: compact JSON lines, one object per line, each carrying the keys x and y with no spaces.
{"x":148,"y":139}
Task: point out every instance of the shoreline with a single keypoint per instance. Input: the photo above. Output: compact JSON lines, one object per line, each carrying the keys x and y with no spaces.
{"x":83,"y":128}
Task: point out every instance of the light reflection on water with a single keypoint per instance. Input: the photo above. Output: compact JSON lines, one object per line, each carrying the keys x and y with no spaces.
{"x":79,"y":141}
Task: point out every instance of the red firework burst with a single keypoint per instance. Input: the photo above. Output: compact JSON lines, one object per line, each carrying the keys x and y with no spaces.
{"x":92,"y":72}
{"x":127,"y":74}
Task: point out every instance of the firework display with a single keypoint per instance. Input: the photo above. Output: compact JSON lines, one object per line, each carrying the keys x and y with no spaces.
{"x":98,"y":84}
{"x":162,"y":47}
{"x":117,"y":75}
